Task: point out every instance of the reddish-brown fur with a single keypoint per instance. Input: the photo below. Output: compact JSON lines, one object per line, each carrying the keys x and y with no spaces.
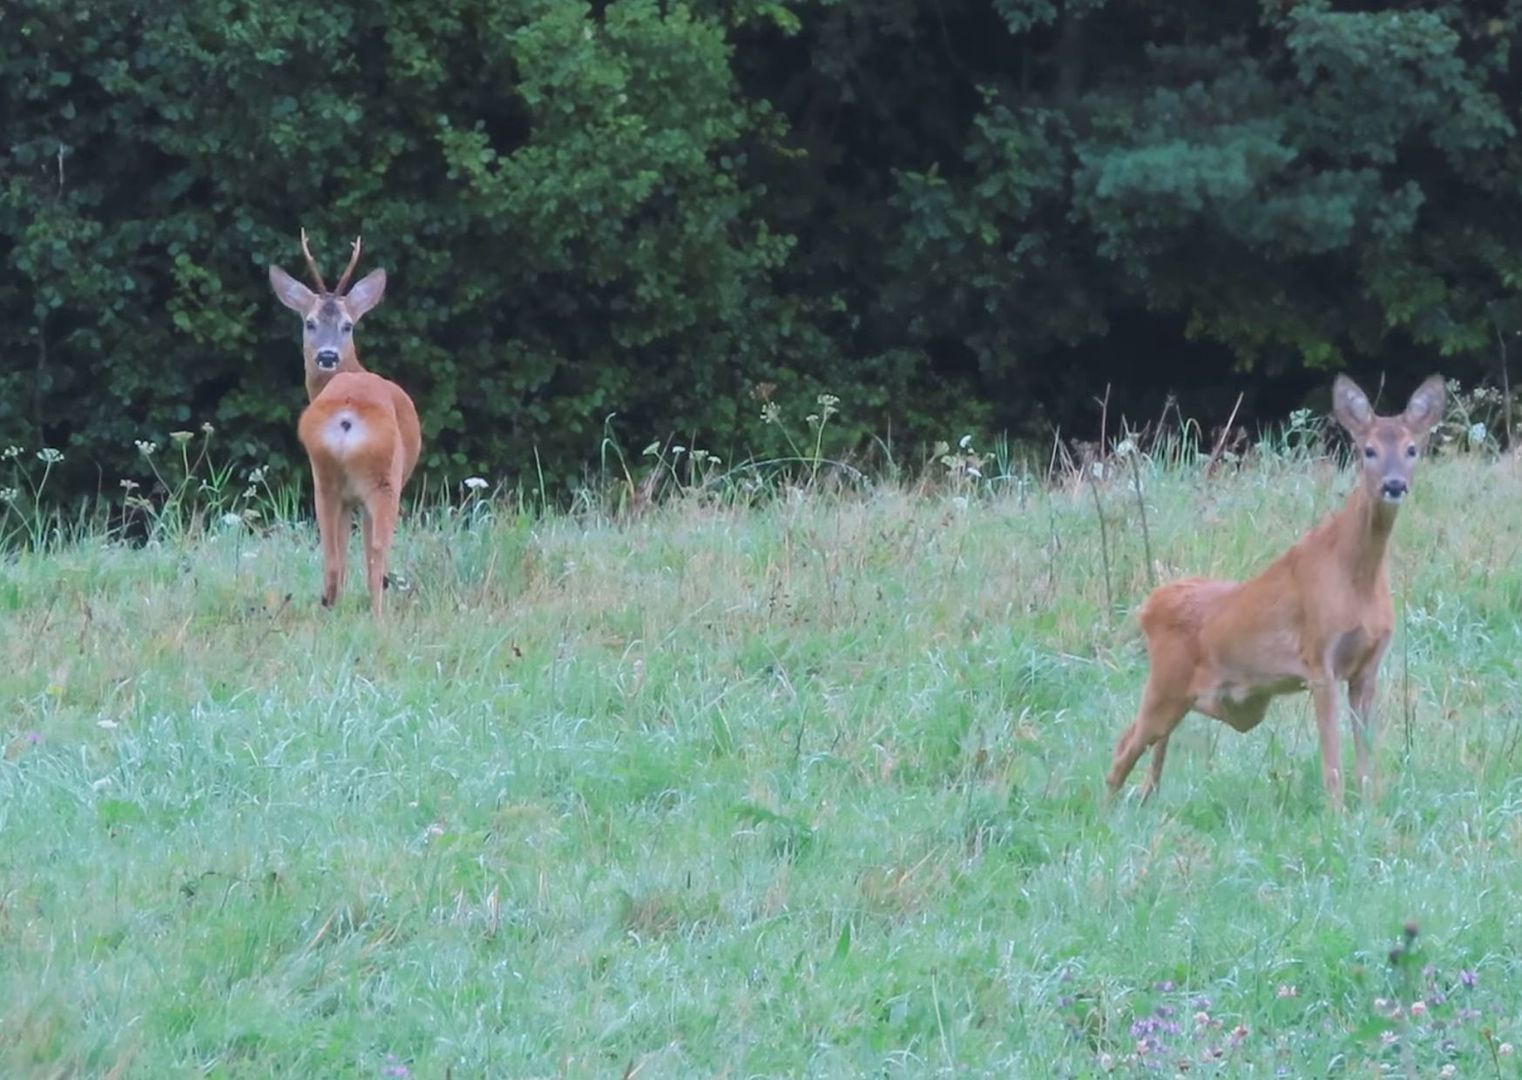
{"x":360,"y":431}
{"x":1318,"y":615}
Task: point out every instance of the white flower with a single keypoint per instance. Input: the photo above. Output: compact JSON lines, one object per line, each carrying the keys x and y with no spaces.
{"x":49,"y":456}
{"x":1476,"y":433}
{"x":145,"y":447}
{"x":1505,"y":1049}
{"x":9,"y":495}
{"x":11,"y":453}
{"x":256,"y":476}
{"x":181,"y":436}
{"x":1125,"y":449}
{"x":1418,"y":1008}
{"x":474,"y":483}
{"x":128,"y":485}
{"x":965,"y":442}
{"x":653,"y":448}
{"x":232,"y":519}
{"x":1097,"y":470}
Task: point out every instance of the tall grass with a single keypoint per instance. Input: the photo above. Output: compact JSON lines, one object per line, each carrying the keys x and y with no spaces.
{"x":796,"y":779}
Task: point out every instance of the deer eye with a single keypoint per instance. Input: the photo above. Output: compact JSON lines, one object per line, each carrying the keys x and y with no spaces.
{"x":1411,"y":450}
{"x":312,"y":325}
{"x":1368,"y":452}
{"x":347,"y":327}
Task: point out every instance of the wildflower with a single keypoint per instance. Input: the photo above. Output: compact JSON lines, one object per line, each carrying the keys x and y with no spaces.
{"x":206,"y":428}
{"x":395,"y":1068}
{"x":1467,"y":978}
{"x":654,"y":448}
{"x":1476,"y":434}
{"x":1201,"y":1018}
{"x":678,"y":451}
{"x":1418,"y":1008}
{"x":474,"y":483}
{"x":1106,"y":1062}
{"x":256,"y":476}
{"x":34,"y":737}
{"x":965,"y":442}
{"x":812,"y":418}
{"x":11,"y":453}
{"x":827,"y":404}
{"x":1287,"y":991}
{"x":129,"y":485}
{"x":48,"y":456}
{"x":770,"y":414}
{"x":232,"y":519}
{"x":145,"y":447}
{"x":1505,"y":1050}
{"x":9,"y":495}
{"x":1447,"y":1071}
{"x":1125,"y":449}
{"x":180,"y":438}
{"x":1388,"y":1038}
{"x":1097,"y":469}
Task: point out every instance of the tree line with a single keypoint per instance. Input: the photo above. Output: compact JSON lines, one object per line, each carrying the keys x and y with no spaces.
{"x":953,"y":216}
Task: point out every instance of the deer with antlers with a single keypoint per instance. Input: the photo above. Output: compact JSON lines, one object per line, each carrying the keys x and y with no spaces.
{"x":1318,"y":615}
{"x":360,"y":431}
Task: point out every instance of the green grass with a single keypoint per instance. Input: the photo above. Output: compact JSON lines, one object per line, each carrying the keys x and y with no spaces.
{"x":813,"y":788}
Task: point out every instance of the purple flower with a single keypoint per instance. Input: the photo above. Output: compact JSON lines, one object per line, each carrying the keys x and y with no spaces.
{"x":34,"y":737}
{"x":395,"y":1068}
{"x":1467,"y":977}
{"x":1165,"y":986}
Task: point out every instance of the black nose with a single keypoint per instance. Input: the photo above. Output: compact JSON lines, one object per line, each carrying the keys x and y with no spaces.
{"x":1394,"y":489}
{"x":327,"y":358}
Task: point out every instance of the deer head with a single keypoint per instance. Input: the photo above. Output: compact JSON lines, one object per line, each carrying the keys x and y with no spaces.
{"x":328,"y":318}
{"x":1388,"y":445}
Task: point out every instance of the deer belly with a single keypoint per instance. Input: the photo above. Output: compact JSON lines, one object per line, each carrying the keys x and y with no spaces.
{"x":1350,"y":652}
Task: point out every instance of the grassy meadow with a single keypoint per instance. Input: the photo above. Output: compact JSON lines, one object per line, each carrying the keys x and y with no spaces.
{"x":806,"y":786}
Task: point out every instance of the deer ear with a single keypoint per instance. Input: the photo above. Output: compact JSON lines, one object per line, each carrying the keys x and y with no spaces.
{"x":367,"y":292}
{"x":290,"y":292}
{"x":1351,"y":407}
{"x":1425,"y":408}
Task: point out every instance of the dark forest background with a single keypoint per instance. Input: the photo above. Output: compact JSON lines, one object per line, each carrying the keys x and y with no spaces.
{"x":954,"y":215}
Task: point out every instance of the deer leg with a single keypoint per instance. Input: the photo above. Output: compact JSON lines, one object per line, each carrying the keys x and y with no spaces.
{"x":379,"y":527}
{"x":334,"y":537}
{"x":1159,"y":714}
{"x":1155,"y":769}
{"x":1361,"y":702}
{"x":1324,"y":697}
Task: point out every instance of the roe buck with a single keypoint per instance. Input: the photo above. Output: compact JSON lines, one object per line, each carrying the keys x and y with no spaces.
{"x":360,"y":431}
{"x":1318,"y":614}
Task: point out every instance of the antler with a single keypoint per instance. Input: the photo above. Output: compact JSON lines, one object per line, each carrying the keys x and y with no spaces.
{"x":343,"y":282}
{"x":312,"y":264}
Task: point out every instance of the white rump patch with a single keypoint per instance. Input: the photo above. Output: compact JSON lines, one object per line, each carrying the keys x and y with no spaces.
{"x":343,"y":432}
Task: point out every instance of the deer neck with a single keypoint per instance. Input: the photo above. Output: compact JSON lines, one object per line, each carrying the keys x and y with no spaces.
{"x":1362,"y":535}
{"x":317,"y":379}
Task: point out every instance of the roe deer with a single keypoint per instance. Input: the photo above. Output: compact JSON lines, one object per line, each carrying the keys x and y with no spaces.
{"x":1318,"y":614}
{"x":360,"y":431}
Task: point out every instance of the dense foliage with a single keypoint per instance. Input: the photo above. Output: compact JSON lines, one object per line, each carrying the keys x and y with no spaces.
{"x":956,"y":213}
